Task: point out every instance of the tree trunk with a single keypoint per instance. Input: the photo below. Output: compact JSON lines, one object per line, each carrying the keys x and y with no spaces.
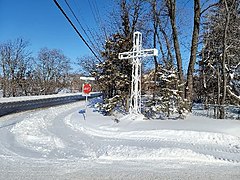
{"x":4,"y":79}
{"x":167,"y":43}
{"x":155,"y":24}
{"x":203,"y":77}
{"x":192,"y":61}
{"x":219,"y":90}
{"x":171,"y":5}
{"x":224,"y":55}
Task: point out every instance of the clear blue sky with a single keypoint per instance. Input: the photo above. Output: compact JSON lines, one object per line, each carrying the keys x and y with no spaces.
{"x":42,"y":24}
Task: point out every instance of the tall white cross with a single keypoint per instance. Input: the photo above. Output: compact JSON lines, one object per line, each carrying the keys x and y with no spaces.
{"x":136,"y":54}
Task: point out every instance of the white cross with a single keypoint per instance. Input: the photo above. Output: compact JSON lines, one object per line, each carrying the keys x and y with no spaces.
{"x":136,"y":55}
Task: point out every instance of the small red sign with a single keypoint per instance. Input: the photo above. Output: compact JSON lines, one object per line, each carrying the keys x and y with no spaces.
{"x":87,"y":88}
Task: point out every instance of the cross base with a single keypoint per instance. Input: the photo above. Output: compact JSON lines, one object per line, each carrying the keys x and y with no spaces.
{"x":133,"y":117}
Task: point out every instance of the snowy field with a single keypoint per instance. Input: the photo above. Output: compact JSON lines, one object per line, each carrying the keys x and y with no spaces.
{"x":58,"y":143}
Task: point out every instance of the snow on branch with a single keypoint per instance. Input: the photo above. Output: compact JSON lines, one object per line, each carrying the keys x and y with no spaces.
{"x":233,"y":95}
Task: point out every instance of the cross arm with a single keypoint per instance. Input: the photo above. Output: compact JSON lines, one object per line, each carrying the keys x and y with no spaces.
{"x":142,"y":53}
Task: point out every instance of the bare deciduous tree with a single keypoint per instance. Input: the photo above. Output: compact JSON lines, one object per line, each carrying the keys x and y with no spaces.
{"x":194,"y":46}
{"x":52,"y":71}
{"x":15,"y":62}
{"x":171,"y":6}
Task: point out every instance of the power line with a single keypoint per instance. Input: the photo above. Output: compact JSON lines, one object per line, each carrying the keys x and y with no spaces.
{"x":97,"y":17}
{"x":77,"y":20}
{"x":93,"y":42}
{"x":59,"y":7}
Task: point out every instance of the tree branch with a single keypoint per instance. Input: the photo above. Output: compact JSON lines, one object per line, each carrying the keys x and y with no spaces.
{"x":210,"y":6}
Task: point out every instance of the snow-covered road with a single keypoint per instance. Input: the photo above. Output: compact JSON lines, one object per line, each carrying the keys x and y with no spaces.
{"x":57,"y":143}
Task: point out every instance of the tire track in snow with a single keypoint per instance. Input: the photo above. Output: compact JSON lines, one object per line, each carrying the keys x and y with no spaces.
{"x":93,"y":143}
{"x":211,"y":151}
{"x":78,"y":144}
{"x":206,"y":147}
{"x":217,"y":152}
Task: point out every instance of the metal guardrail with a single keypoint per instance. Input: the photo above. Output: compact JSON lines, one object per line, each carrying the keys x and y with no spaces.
{"x":18,"y":106}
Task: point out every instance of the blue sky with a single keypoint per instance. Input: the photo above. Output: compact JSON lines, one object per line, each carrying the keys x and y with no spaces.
{"x":42,"y":24}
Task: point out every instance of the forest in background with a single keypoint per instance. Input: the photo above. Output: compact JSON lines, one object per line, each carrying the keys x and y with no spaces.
{"x":212,"y":74}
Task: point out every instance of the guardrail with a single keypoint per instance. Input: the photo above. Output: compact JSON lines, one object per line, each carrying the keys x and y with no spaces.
{"x":18,"y":106}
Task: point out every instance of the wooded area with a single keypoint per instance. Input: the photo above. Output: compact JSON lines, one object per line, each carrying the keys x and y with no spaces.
{"x":212,"y":74}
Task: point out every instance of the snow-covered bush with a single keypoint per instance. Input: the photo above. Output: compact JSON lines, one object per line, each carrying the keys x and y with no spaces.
{"x":167,"y":100}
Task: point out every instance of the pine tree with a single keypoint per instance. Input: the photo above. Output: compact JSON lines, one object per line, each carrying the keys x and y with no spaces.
{"x":168,"y":100}
{"x":113,"y":74}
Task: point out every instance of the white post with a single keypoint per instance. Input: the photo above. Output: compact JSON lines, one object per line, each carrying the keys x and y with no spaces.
{"x":136,"y":55}
{"x":86,"y":105}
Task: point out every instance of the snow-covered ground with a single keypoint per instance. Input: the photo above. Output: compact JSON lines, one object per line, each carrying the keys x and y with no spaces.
{"x":59,"y":143}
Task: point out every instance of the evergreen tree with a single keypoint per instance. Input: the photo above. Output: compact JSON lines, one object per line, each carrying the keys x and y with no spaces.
{"x":168,"y":100}
{"x":114,"y":75}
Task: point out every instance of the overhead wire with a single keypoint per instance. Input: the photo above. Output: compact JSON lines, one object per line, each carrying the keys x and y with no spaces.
{"x":92,"y":10}
{"x":93,"y":42}
{"x":100,"y":20}
{"x":95,"y":12}
{"x":77,"y":20}
{"x":74,"y":27}
{"x":95,"y":19}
